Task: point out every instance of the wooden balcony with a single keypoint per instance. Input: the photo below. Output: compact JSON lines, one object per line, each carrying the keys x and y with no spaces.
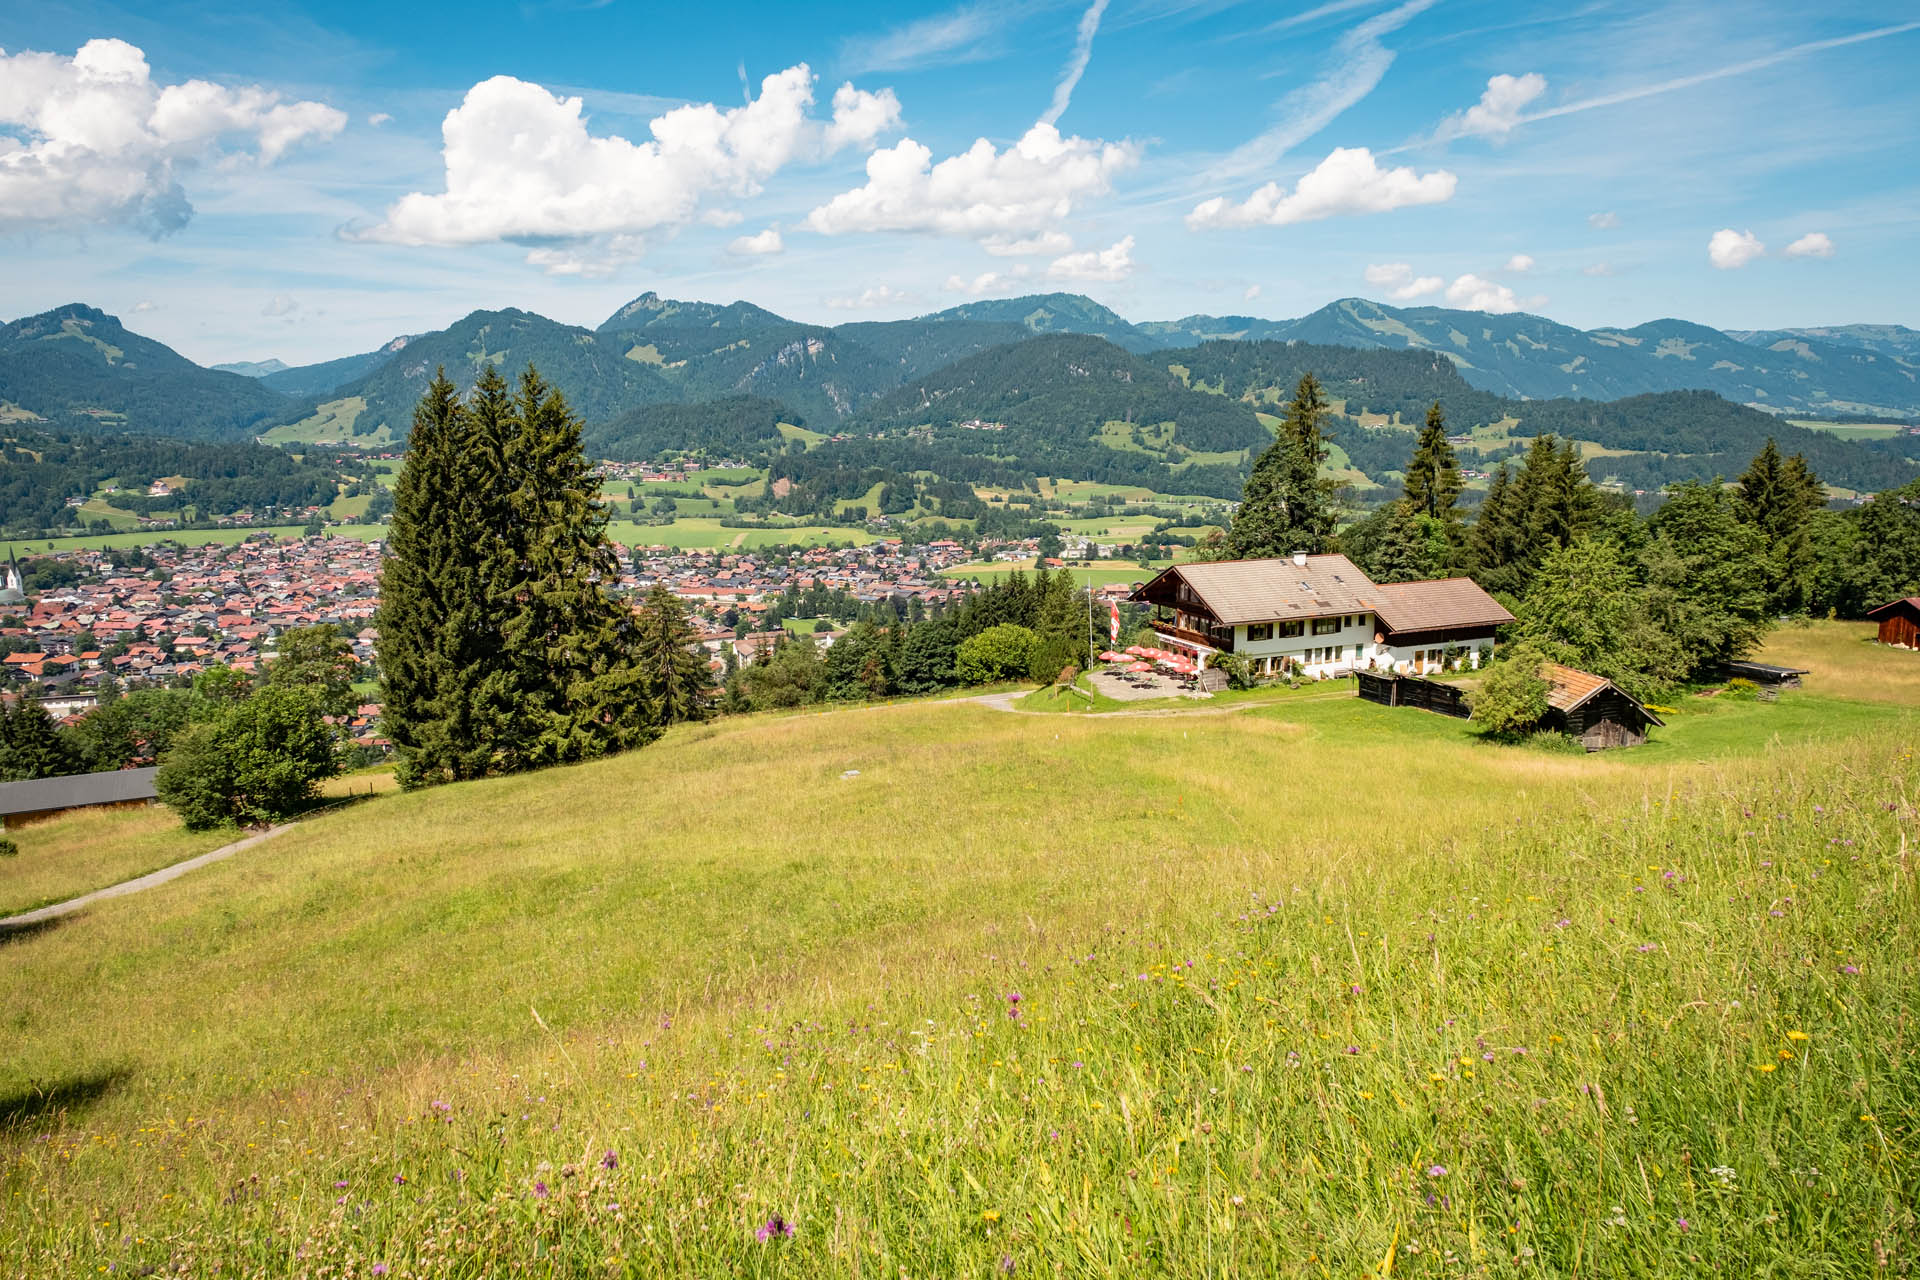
{"x":1220,"y":640}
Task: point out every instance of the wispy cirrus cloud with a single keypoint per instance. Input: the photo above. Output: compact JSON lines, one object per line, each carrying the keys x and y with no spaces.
{"x":1077,"y":64}
{"x":970,"y":33}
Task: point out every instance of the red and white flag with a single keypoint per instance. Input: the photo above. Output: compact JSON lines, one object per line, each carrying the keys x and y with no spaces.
{"x":1113,"y":621}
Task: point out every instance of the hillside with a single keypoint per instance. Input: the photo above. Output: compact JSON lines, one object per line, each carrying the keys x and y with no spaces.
{"x":598,"y":382}
{"x":1214,"y":1018}
{"x":77,"y":367}
{"x":316,"y":379}
{"x":1893,"y":340}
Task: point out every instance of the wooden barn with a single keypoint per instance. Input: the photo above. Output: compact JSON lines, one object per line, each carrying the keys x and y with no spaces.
{"x":1766,"y":674}
{"x":1899,"y":622}
{"x":1593,"y":709}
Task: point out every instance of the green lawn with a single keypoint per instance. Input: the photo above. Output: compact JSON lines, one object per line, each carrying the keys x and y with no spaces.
{"x":1292,"y":991}
{"x":1097,"y":574}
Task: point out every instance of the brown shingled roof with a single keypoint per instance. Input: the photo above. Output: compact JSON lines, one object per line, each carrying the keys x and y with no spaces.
{"x":1568,"y":687}
{"x":1442,"y":602}
{"x":1265,"y":590}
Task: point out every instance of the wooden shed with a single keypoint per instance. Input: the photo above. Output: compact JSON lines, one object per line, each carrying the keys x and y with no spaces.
{"x":1899,"y":622}
{"x":1593,"y":709}
{"x":1766,"y":674}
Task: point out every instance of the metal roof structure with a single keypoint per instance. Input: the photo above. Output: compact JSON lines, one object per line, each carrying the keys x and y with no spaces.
{"x":77,"y":791}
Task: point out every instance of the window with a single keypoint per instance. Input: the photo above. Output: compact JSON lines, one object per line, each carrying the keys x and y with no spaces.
{"x":1288,"y":629}
{"x":1259,"y":631}
{"x":1325,"y":626}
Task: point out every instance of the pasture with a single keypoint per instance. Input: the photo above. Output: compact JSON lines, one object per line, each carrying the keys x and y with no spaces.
{"x":1306,"y":987}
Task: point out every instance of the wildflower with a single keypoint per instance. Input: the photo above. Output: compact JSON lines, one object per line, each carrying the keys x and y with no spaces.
{"x":1006,"y":1263}
{"x":1768,"y":1066}
{"x":340,"y":1186}
{"x":379,"y":1268}
{"x":399,"y":1179}
{"x":1849,"y":968}
{"x":1684,"y":1226}
{"x":540,"y":1190}
{"x":774,"y":1228}
{"x":609,"y":1161}
{"x":1436,"y":1171}
{"x":990,"y":1215}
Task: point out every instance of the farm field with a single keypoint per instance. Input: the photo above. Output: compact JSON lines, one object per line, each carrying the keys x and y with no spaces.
{"x":1082,"y":995}
{"x":1852,"y":430}
{"x":1095,"y":575}
{"x":195,"y":537}
{"x":706,"y":533}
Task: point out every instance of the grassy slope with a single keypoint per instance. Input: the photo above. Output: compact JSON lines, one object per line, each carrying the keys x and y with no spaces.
{"x":1275,"y":967}
{"x":198,"y":537}
{"x":84,"y":851}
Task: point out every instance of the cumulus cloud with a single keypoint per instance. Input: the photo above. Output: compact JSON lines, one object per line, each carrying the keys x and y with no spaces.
{"x":982,"y":193}
{"x":859,"y":117}
{"x":1401,"y":284}
{"x":1730,"y":250}
{"x":1520,"y":262}
{"x":1814,"y":244}
{"x":1471,"y":293}
{"x":1109,"y":264}
{"x":144,"y":306}
{"x":878,"y":295}
{"x":1348,"y":181}
{"x":521,"y":166}
{"x":92,"y":139}
{"x":758,"y":245}
{"x":1252,"y":294}
{"x":1047,"y":242}
{"x":1603,"y":221}
{"x":1499,"y":108}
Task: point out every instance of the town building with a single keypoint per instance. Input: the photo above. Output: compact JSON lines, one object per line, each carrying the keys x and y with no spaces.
{"x":1320,"y":615}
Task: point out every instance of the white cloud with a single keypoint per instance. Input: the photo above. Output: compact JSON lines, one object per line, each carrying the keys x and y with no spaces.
{"x":1109,"y":264}
{"x":1047,"y":242}
{"x":1603,"y":221}
{"x":859,"y":117}
{"x":722,"y":217}
{"x":144,"y":306}
{"x":1077,"y":64}
{"x":1499,"y":108}
{"x":1730,"y":250}
{"x":279,"y":305}
{"x":1354,"y":68}
{"x":1400,"y":282}
{"x":988,"y":282}
{"x":92,"y":138}
{"x":1471,"y":293}
{"x":379,"y":118}
{"x":1814,"y":244}
{"x":1348,"y":181}
{"x":981,"y":193}
{"x":1520,"y":262}
{"x":521,"y":166}
{"x":758,"y":245}
{"x":959,"y":36}
{"x":587,"y":259}
{"x":1597,"y":269}
{"x":878,"y":295}
{"x":1252,"y":294}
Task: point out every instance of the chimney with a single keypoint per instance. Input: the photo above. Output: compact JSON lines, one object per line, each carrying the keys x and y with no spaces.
{"x":1300,"y":559}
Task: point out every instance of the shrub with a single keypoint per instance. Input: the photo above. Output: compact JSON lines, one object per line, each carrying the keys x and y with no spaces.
{"x":8,"y":849}
{"x":1512,"y":698}
{"x":1238,"y":668}
{"x":1564,"y":744}
{"x":256,"y":761}
{"x":1741,"y":687}
{"x":1004,"y":652}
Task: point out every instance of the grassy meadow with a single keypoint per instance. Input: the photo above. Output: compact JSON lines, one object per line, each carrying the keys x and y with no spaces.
{"x":79,"y":852}
{"x":1301,"y":986}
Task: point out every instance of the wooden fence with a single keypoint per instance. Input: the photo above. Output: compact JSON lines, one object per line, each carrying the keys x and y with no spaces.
{"x":1412,"y":691}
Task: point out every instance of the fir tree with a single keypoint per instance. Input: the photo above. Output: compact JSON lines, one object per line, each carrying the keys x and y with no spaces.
{"x":669,"y":652}
{"x":1286,"y":505}
{"x":1779,"y":497}
{"x":32,"y":746}
{"x":1433,"y":474}
{"x":1412,"y":547}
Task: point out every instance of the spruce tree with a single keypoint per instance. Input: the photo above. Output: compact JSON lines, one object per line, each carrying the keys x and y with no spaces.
{"x":32,"y":746}
{"x":1433,"y":474}
{"x":573,"y":689}
{"x":1412,"y":547}
{"x":1286,"y":505}
{"x":1778,"y":497}
{"x":669,"y":652}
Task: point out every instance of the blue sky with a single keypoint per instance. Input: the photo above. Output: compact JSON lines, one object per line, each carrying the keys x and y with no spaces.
{"x":305,"y":181}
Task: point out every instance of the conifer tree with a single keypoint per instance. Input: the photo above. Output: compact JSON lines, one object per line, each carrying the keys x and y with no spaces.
{"x":1287,"y":506}
{"x":1412,"y":547}
{"x":1433,"y":474}
{"x":667,"y":647}
{"x":1779,"y":497}
{"x":32,"y":746}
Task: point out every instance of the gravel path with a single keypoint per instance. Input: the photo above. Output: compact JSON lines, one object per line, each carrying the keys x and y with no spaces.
{"x":147,"y":881}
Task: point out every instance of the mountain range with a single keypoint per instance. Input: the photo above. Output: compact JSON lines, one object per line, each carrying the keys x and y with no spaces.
{"x":81,"y":368}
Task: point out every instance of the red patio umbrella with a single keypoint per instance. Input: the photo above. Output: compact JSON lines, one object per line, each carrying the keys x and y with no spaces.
{"x":1111,"y":656}
{"x":1139,"y":650}
{"x":1139,"y":666}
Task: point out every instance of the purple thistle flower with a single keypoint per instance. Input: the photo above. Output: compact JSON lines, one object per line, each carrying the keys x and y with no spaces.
{"x":775,"y":1228}
{"x":379,"y":1268}
{"x":399,"y":1179}
{"x":540,"y":1190}
{"x":1849,"y":968}
{"x":1436,"y":1171}
{"x":609,"y":1161}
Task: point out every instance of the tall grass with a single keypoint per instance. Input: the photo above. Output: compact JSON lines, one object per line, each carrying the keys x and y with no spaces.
{"x":1297,"y":993}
